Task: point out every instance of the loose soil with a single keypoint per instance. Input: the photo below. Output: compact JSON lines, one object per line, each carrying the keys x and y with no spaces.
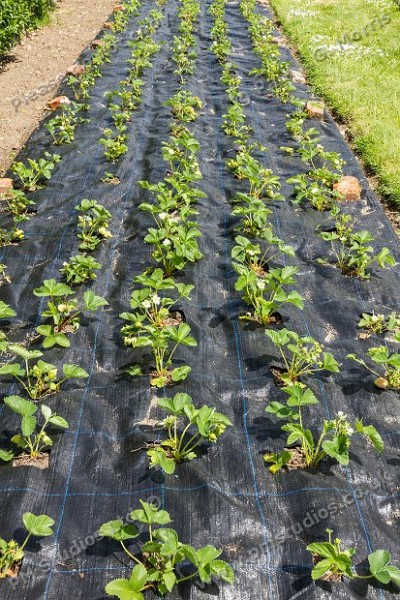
{"x":41,"y":462}
{"x":36,"y":66}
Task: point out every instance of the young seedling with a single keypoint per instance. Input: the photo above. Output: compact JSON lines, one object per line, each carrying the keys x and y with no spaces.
{"x":253,"y":215}
{"x":5,"y":313}
{"x":378,"y":324}
{"x":12,"y":553}
{"x":16,"y":203}
{"x":334,"y":440}
{"x":389,"y":363}
{"x":199,"y":425}
{"x":263,"y":182}
{"x":93,"y":223}
{"x":64,"y":311}
{"x":176,"y":247}
{"x":11,"y":236}
{"x":352,"y":250}
{"x":39,"y":379}
{"x":114,"y":143}
{"x":111,"y":179}
{"x":185,"y":106}
{"x":332,"y":562}
{"x":301,"y":355}
{"x":251,"y":255}
{"x":164,"y":342}
{"x":149,"y":308}
{"x":31,"y":440}
{"x":33,"y":176}
{"x":265,"y":293}
{"x":62,"y":127}
{"x":4,"y":278}
{"x":80,"y":269}
{"x":158,"y":568}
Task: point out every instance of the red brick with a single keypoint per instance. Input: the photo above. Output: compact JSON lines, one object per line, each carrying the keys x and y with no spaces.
{"x":56,"y":102}
{"x":76,"y":70}
{"x":315,"y":109}
{"x":349,"y":188}
{"x":6,"y":184}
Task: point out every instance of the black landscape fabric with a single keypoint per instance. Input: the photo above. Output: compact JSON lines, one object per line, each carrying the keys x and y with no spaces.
{"x":227,"y":497}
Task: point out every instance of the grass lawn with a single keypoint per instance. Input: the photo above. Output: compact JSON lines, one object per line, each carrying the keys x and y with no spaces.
{"x":351,"y":52}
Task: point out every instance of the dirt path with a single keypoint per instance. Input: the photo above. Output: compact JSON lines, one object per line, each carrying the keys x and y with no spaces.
{"x":36,"y":66}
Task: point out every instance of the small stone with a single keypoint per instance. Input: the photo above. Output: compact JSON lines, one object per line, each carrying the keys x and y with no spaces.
{"x":280,"y":41}
{"x":297,"y":76}
{"x":119,"y":7}
{"x":348,"y":187}
{"x":56,"y":102}
{"x":6,"y":184}
{"x":97,"y":43}
{"x":108,"y":25}
{"x":76,"y":70}
{"x":315,"y":109}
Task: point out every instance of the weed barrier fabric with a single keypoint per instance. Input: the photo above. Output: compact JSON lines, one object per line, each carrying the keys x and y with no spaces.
{"x":226,"y":497}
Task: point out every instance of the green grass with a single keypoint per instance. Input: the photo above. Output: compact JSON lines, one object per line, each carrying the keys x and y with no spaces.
{"x":362,"y":87}
{"x":19,"y":16}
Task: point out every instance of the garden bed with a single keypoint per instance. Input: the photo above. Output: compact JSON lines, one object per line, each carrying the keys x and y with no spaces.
{"x":226,"y":496}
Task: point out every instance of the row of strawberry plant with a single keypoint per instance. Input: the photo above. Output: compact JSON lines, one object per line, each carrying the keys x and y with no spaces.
{"x":40,"y":379}
{"x":34,"y":174}
{"x":127,"y":97}
{"x":154,"y":323}
{"x":301,"y":355}
{"x":257,"y":278}
{"x":352,"y":250}
{"x":320,"y":185}
{"x":174,"y":237}
{"x":354,"y":255}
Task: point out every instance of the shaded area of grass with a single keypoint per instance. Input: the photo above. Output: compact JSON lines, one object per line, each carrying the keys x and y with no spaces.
{"x":351,"y":51}
{"x":19,"y":16}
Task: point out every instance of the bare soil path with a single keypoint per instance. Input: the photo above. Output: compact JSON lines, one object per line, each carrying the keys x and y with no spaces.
{"x":30,"y":77}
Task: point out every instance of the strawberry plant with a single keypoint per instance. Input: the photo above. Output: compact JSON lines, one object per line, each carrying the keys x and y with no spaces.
{"x":263,"y":182}
{"x":32,"y":440}
{"x":266,"y":294}
{"x":389,"y":375}
{"x":234,"y":120}
{"x":334,"y":562}
{"x":377,"y":323}
{"x":80,"y":269}
{"x":251,"y":255}
{"x":114,"y":144}
{"x":93,"y":223}
{"x":11,"y":236}
{"x":33,"y":176}
{"x":12,"y":553}
{"x":334,"y":440}
{"x":149,"y":308}
{"x":16,"y":203}
{"x":159,"y":567}
{"x":184,"y":106}
{"x":164,"y":342}
{"x":253,"y":215}
{"x":5,"y":313}
{"x":301,"y":355}
{"x":176,"y":247}
{"x":64,"y":311}
{"x":312,"y":187}
{"x":4,"y":278}
{"x":62,"y":127}
{"x":39,"y":379}
{"x":352,"y":249}
{"x":199,"y":425}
